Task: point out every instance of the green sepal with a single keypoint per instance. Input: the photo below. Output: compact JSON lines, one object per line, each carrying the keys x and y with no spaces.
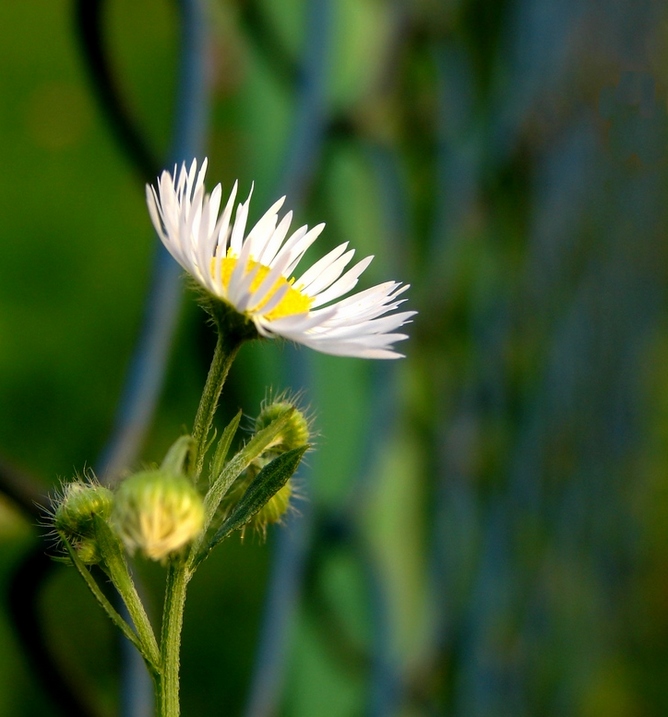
{"x":234,"y":326}
{"x":265,"y":485}
{"x":180,"y":457}
{"x":104,"y":603}
{"x":223,"y":447}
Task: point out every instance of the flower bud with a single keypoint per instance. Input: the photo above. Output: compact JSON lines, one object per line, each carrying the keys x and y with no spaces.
{"x":295,"y":434}
{"x":75,"y":514}
{"x":88,"y":551}
{"x":157,"y":512}
{"x":296,"y":431}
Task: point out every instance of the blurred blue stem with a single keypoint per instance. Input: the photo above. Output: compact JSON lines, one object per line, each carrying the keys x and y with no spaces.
{"x":292,"y":542}
{"x":149,"y":362}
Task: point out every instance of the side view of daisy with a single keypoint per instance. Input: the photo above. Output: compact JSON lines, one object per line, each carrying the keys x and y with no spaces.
{"x":199,"y":495}
{"x":254,"y":272}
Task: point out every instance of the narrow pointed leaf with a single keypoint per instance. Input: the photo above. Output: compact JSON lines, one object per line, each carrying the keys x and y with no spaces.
{"x":266,"y":484}
{"x":223,"y":446}
{"x":180,"y":455}
{"x":257,"y":444}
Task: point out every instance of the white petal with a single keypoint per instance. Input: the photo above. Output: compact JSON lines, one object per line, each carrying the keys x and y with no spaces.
{"x":368,"y":328}
{"x":242,"y":290}
{"x":298,"y":251}
{"x":222,"y":230}
{"x":186,"y":218}
{"x":261,"y":233}
{"x":347,"y":282}
{"x":240,"y":225}
{"x":238,"y":273}
{"x":275,"y":240}
{"x":329,"y":275}
{"x":310,"y":275}
{"x":297,"y":323}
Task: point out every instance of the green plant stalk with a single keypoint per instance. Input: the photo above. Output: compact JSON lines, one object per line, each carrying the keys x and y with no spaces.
{"x":178,"y":577}
{"x":123,"y":583}
{"x":118,"y":572}
{"x":224,"y":355}
{"x":152,"y":660}
{"x":179,"y":572}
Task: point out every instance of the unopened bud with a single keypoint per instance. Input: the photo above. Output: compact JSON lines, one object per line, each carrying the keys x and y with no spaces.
{"x":295,"y":433}
{"x":75,"y":515}
{"x":88,"y":551}
{"x":157,"y":512}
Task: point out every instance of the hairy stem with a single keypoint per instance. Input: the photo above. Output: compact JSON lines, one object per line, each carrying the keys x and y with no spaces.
{"x":170,"y":641}
{"x":224,"y":354}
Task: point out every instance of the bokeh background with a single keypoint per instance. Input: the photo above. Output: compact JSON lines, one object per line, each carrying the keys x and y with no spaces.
{"x":483,"y":529}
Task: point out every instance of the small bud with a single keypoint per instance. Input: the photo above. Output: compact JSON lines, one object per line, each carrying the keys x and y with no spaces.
{"x":157,"y":512}
{"x":295,"y":433}
{"x":88,"y":550}
{"x":74,"y":516}
{"x":80,"y":503}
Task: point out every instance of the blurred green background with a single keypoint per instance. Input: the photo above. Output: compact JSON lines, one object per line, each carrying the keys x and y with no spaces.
{"x":486,"y":519}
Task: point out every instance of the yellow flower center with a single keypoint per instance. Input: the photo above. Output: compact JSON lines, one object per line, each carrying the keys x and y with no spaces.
{"x":293,"y":301}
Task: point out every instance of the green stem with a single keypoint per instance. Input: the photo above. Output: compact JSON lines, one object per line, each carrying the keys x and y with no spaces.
{"x":179,"y":573}
{"x":170,"y":641}
{"x":126,"y":588}
{"x":223,"y":356}
{"x":151,"y":659}
{"x":118,"y":572}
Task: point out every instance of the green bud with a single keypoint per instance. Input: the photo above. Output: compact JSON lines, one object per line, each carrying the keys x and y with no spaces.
{"x":295,"y":435}
{"x":157,"y":512}
{"x":296,"y":432}
{"x":88,"y":550}
{"x":80,"y":503}
{"x":74,"y":516}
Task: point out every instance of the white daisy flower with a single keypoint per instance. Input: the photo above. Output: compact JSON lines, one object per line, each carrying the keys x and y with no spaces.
{"x":253,"y":272}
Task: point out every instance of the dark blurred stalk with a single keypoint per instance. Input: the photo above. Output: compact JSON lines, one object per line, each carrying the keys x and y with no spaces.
{"x":22,"y":489}
{"x":309,"y":125}
{"x":89,"y":28}
{"x":147,"y":370}
{"x":385,"y":681}
{"x":267,"y":42}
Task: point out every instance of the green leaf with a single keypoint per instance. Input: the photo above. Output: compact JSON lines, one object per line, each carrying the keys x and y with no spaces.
{"x":255,"y":447}
{"x":266,"y":484}
{"x":181,"y":451}
{"x":223,"y":446}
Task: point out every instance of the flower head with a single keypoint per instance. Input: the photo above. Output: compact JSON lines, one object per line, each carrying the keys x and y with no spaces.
{"x":253,"y":271}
